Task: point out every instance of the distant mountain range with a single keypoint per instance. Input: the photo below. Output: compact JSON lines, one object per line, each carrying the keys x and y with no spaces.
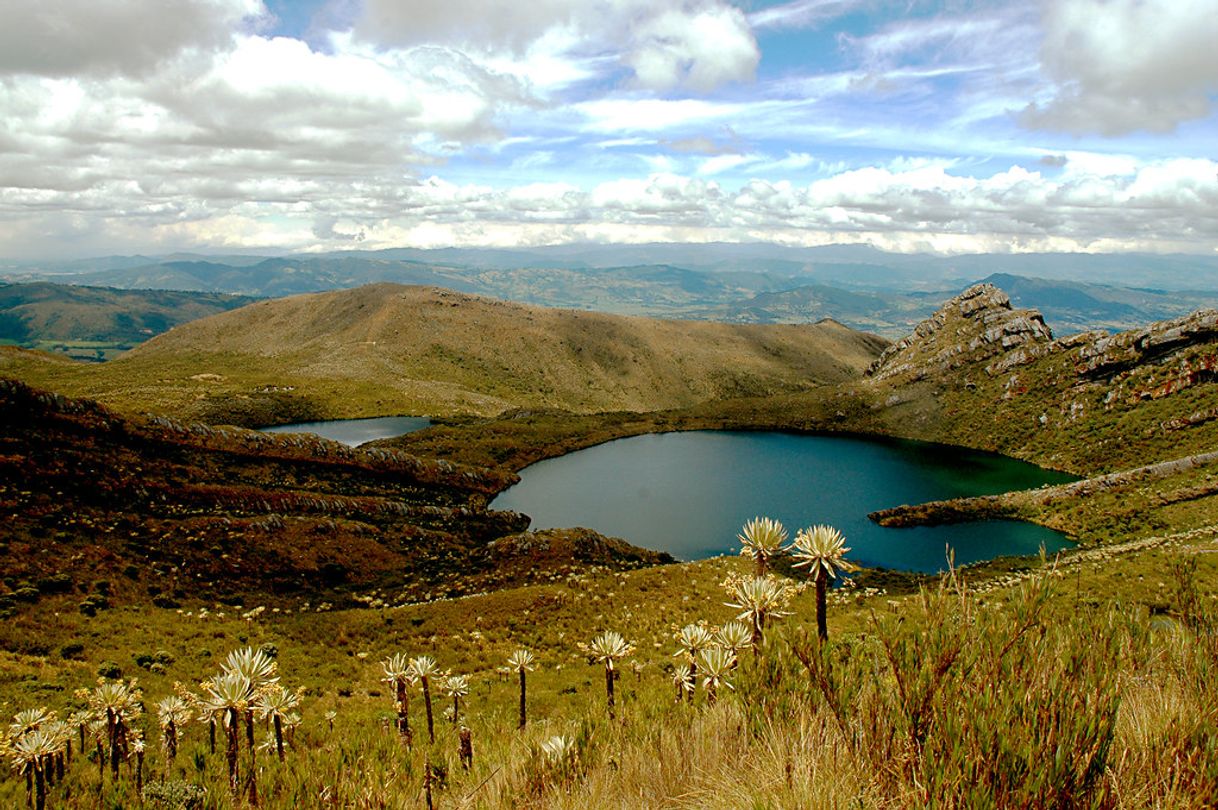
{"x":858,"y":286}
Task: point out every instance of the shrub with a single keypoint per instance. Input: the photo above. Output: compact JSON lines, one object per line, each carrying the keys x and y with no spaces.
{"x":58,"y":583}
{"x":175,"y":795}
{"x":93,"y":603}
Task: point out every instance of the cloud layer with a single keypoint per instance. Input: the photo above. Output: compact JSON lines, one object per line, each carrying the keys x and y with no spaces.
{"x":136,"y":125}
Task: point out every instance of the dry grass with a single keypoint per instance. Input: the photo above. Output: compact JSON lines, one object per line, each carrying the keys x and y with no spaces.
{"x":387,"y":349}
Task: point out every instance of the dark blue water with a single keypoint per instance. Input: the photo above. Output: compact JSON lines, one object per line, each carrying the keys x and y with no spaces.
{"x":354,"y":432}
{"x":690,"y":493}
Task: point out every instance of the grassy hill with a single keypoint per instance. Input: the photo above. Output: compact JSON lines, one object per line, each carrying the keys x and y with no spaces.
{"x":146,"y":546}
{"x":417,"y":350}
{"x":96,"y":323}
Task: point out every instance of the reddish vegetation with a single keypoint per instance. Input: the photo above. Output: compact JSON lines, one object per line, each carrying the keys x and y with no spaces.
{"x":163,"y":511}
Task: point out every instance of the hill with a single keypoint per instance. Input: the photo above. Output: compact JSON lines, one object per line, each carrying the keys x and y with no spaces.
{"x":983,"y":373}
{"x":1073,"y":306}
{"x":1137,"y":411}
{"x":159,"y":509}
{"x":392,"y":349}
{"x":96,"y":323}
{"x":861,"y":287}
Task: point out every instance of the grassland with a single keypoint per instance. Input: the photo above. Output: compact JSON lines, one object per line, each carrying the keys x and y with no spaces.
{"x":1086,"y":682}
{"x":1114,"y":660}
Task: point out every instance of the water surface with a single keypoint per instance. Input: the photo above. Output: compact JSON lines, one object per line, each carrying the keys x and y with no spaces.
{"x":354,"y":432}
{"x":690,"y":493}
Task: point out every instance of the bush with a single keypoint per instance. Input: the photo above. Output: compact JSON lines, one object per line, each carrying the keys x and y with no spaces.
{"x":59,"y":583}
{"x":175,"y":795}
{"x":73,"y":650}
{"x":93,"y":603}
{"x":109,"y":669}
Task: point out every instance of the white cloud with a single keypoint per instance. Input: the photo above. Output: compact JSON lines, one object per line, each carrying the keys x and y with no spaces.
{"x":166,"y":124}
{"x":699,"y":48}
{"x":802,"y":13}
{"x":130,"y":37}
{"x":1127,"y":65}
{"x":697,"y":44}
{"x":723,"y":163}
{"x":616,"y":115}
{"x":909,"y":205}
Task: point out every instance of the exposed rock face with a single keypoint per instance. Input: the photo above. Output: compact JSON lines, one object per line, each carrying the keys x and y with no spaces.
{"x":1111,"y":354}
{"x":974,"y":326}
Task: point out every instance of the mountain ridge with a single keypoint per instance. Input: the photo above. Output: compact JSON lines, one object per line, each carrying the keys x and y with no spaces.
{"x":427,"y":351}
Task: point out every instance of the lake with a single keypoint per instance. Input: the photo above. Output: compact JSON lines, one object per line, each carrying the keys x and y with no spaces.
{"x":690,"y":493}
{"x":353,"y":432}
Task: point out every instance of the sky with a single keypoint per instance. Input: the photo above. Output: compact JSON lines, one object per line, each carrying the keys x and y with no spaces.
{"x":153,"y":126}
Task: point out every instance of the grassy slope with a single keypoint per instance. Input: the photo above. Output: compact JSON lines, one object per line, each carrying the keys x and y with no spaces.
{"x":771,"y":743}
{"x":391,"y":349}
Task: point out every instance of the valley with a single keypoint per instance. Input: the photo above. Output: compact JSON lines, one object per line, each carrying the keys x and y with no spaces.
{"x":144,"y":543}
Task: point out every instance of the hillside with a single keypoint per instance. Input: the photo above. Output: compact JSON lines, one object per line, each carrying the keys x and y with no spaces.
{"x":1136,"y":411}
{"x":144,"y":509}
{"x":866,"y":289}
{"x":417,"y":350}
{"x":152,"y":547}
{"x":96,"y":323}
{"x":983,"y":373}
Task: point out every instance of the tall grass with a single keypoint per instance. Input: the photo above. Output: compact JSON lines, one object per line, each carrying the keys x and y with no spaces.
{"x":946,"y":699}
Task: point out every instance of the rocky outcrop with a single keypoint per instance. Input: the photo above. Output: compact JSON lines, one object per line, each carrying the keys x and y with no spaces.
{"x":1109,"y":355}
{"x":977,"y":325}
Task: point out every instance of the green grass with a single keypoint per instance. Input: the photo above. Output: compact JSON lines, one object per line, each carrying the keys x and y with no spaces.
{"x":776,"y":740}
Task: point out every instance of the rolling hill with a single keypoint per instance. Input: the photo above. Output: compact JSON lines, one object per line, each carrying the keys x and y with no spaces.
{"x":393,"y":349}
{"x":858,"y":286}
{"x":96,"y":323}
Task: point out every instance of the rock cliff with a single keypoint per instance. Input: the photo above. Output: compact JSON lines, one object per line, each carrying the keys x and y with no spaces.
{"x":975,"y":326}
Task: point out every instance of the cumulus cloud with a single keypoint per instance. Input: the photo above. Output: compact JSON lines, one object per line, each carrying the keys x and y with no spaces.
{"x":921,"y":206}
{"x":268,"y":118}
{"x":129,"y":37}
{"x":1126,"y":65}
{"x":907,"y":205}
{"x":696,"y":44}
{"x":482,"y":123}
{"x":699,"y":49}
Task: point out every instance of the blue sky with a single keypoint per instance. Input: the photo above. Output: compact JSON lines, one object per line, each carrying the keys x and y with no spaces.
{"x":929,"y":125}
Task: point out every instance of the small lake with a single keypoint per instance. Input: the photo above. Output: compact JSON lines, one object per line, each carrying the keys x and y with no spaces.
{"x":353,"y":432}
{"x":690,"y":493}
